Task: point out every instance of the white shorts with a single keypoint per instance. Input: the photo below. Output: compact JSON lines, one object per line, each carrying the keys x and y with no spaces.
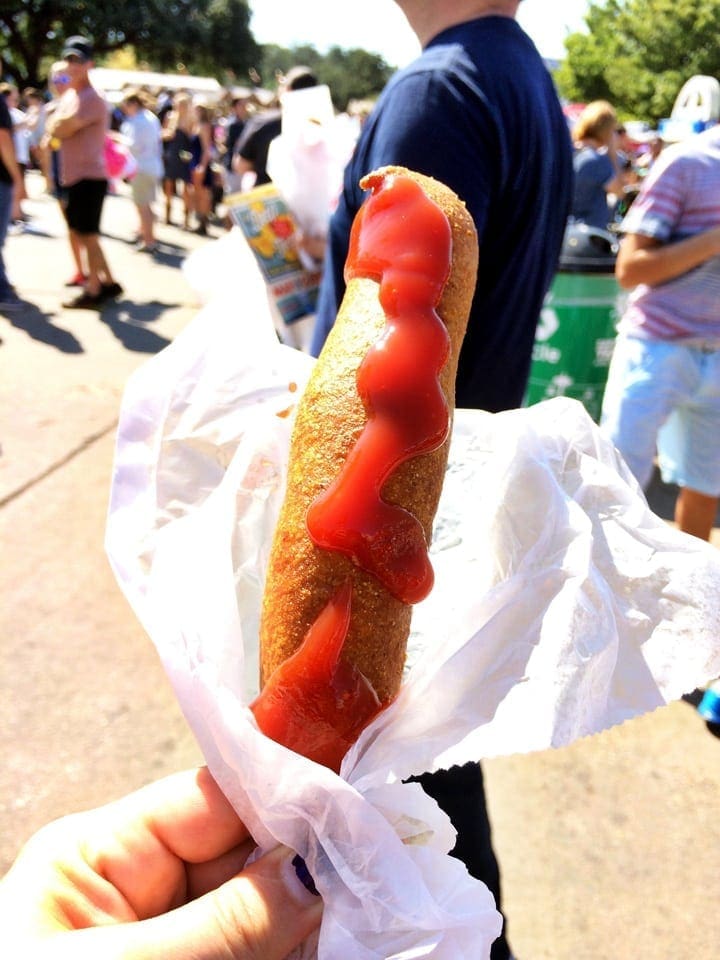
{"x":666,"y":397}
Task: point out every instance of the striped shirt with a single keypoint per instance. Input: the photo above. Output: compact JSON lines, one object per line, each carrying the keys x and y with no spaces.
{"x":679,"y":198}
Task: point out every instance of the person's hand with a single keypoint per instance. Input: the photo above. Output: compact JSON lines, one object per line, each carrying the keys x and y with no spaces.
{"x":158,"y":874}
{"x":313,"y":245}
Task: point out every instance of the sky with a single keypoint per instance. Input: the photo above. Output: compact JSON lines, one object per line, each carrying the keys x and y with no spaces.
{"x":383,"y":29}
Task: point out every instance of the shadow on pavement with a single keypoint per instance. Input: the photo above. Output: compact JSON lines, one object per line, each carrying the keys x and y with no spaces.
{"x":36,"y":231}
{"x":166,"y":253}
{"x":126,"y":321}
{"x":38,"y":325}
{"x":169,"y":255}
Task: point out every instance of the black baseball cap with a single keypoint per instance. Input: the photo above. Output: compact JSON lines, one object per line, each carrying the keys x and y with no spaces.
{"x":79,"y":47}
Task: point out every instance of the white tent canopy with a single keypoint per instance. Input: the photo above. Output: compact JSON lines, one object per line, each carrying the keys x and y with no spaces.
{"x":112,"y":82}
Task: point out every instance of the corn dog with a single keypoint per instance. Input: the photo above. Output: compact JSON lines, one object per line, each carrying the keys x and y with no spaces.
{"x":367,"y":459}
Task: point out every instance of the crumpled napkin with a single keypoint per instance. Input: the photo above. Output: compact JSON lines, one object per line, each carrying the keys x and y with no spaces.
{"x":561,"y":606}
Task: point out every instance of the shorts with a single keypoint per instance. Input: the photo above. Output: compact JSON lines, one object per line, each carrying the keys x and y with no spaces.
{"x":665,"y":396}
{"x":144,"y":189}
{"x":84,"y":205}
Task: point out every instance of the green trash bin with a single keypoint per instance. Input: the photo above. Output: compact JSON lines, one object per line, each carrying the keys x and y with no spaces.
{"x":576,"y":331}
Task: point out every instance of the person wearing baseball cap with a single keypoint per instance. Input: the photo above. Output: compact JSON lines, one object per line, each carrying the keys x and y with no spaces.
{"x":251,"y":149}
{"x":80,"y":48}
{"x":80,"y":122}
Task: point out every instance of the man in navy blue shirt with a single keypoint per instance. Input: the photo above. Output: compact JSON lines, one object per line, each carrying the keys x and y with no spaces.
{"x":477,"y":111}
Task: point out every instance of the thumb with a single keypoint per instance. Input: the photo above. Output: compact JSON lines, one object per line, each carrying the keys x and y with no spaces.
{"x":263,"y":913}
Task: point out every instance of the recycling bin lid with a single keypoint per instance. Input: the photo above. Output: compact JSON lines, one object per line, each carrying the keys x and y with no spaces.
{"x":588,"y":249}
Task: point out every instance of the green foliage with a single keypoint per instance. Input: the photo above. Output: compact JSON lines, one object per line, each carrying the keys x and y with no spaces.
{"x":202,"y":37}
{"x":274,"y":61}
{"x":350,"y":74}
{"x":638,"y":53}
{"x":210,"y":37}
{"x":353,"y":75}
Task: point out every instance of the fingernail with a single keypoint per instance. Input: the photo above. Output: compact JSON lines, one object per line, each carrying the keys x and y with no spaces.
{"x":303,"y":875}
{"x":296,"y":877}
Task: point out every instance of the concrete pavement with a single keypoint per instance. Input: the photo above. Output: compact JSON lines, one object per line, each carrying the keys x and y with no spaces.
{"x":608,"y":848}
{"x":57,"y":406}
{"x":86,"y":711}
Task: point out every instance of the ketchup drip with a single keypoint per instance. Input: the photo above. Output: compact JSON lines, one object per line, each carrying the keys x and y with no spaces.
{"x":317,"y":703}
{"x":402,"y":240}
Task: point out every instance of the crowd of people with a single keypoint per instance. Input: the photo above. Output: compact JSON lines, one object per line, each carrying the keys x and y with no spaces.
{"x":520,"y":191}
{"x":663,"y":393}
{"x":661,"y":403}
{"x":171,"y":148}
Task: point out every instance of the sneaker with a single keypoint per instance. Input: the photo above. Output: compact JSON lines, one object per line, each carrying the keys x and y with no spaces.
{"x":10,"y":301}
{"x":146,"y":247}
{"x":79,"y":280}
{"x":85,"y":301}
{"x":109,"y":291}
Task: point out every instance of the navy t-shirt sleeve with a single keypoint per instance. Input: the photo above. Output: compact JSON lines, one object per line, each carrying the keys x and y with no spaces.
{"x":429,"y":130}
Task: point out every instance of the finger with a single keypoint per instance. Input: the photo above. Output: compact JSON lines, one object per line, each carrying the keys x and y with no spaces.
{"x":203,"y":877}
{"x":262,"y":914}
{"x":190,"y":816}
{"x":143,"y":843}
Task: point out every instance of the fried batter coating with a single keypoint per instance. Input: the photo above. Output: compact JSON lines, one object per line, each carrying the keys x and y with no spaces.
{"x":301,"y":577}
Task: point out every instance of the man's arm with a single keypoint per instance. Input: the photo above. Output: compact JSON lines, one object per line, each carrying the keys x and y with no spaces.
{"x":85,"y":113}
{"x":647,"y":260}
{"x":64,"y":127}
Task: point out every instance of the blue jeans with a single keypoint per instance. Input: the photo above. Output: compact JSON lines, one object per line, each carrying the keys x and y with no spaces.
{"x":6,"y":195}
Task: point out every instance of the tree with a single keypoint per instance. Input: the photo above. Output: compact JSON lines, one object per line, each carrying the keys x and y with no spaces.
{"x":350,"y":74}
{"x":210,"y":36}
{"x":638,"y":53}
{"x":353,"y":75}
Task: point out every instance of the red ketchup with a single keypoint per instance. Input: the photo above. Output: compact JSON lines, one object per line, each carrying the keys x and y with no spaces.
{"x":403,"y":240}
{"x":316,"y":702}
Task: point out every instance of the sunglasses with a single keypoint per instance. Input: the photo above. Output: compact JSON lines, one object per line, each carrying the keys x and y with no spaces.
{"x":61,"y":78}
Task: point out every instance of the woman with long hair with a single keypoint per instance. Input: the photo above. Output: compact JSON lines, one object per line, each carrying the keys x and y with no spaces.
{"x":177,"y":134}
{"x":201,"y":166}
